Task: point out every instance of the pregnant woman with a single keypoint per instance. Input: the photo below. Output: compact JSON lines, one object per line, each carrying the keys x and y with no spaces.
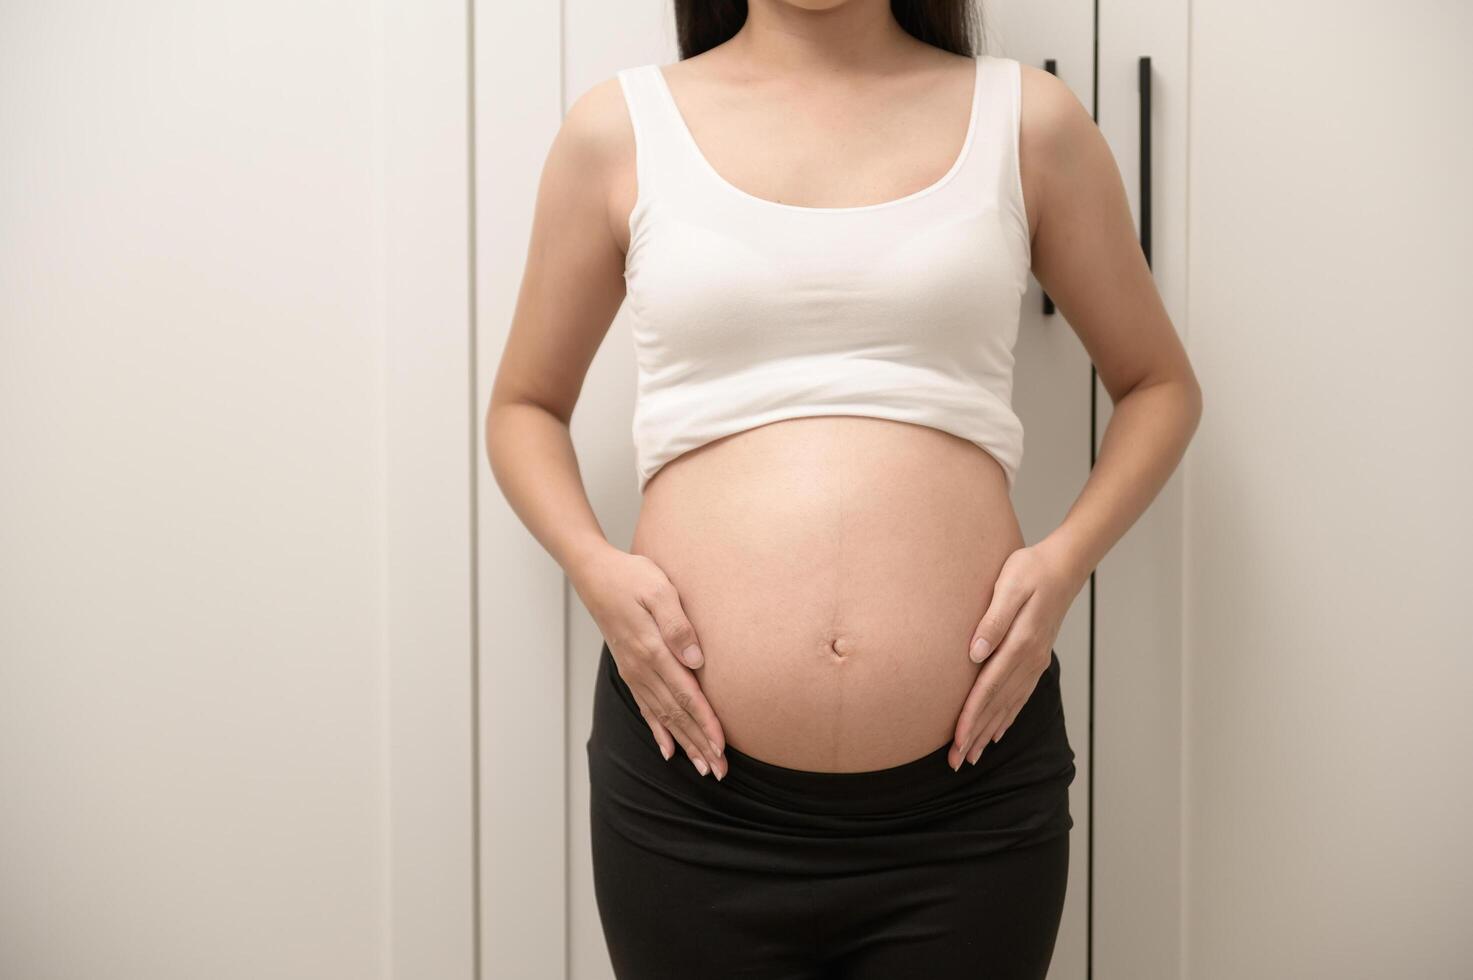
{"x":828,"y":739}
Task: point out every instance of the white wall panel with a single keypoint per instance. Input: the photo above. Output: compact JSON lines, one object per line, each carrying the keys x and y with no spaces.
{"x":432,"y":436}
{"x":522,"y":766}
{"x":1138,"y":623}
{"x":192,"y":735}
{"x":1327,"y":528}
{"x":235,"y":417}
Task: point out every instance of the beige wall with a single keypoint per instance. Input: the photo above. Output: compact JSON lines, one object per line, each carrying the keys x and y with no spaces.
{"x":189,"y":697}
{"x":1327,"y":530}
{"x":235,"y":503}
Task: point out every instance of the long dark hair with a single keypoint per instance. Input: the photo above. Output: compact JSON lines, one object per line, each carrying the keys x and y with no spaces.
{"x":952,"y":25}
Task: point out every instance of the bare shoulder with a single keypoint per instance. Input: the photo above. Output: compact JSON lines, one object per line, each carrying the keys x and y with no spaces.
{"x":596,"y":129}
{"x":590,"y":164}
{"x":1086,"y":252}
{"x":1057,"y":137}
{"x":1050,"y":107}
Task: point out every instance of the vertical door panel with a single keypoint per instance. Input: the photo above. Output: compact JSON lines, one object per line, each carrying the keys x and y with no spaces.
{"x":1138,"y":619}
{"x":523,"y":763}
{"x":423,"y":159}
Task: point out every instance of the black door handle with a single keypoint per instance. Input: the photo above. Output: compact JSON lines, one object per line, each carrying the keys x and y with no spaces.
{"x":1144,"y":87}
{"x":1050,"y":65}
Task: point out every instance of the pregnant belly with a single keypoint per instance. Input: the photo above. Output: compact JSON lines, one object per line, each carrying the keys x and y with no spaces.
{"x":834,"y":569}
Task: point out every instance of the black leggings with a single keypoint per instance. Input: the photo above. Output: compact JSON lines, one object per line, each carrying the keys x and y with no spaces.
{"x":785,"y":874}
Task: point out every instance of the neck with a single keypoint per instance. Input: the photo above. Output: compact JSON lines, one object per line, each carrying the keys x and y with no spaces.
{"x":823,"y":37}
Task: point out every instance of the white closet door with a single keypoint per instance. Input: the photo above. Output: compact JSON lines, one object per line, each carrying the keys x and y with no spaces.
{"x":1122,"y":671}
{"x":1327,"y":606}
{"x":1138,"y":608}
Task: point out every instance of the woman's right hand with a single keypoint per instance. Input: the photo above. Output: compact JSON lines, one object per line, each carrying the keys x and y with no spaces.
{"x":654,"y":645}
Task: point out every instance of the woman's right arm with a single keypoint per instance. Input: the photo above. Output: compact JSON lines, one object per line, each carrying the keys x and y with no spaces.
{"x":572,"y":286}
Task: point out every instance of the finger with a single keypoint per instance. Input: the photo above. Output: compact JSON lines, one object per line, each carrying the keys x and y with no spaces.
{"x":982,"y":732}
{"x":681,"y":707}
{"x":679,"y":638}
{"x":985,"y":689}
{"x":1008,"y":597}
{"x":666,"y":713}
{"x":986,"y":729}
{"x":992,"y":717}
{"x":1018,"y":705}
{"x":995,"y":708}
{"x":675,"y":692}
{"x":686,"y":691}
{"x":676,"y":631}
{"x":640,"y":673}
{"x":991,"y":726}
{"x":1017,"y":709}
{"x":662,"y":735}
{"x":693,"y":715}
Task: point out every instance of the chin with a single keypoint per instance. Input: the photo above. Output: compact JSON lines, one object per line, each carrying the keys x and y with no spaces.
{"x":816,"y":5}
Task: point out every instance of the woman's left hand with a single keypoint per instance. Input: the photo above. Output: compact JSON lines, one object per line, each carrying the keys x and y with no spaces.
{"x":1014,"y":643}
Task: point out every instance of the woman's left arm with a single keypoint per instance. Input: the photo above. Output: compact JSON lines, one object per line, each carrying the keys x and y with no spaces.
{"x":1087,"y":257}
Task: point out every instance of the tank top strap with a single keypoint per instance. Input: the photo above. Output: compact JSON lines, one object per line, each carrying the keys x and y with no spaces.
{"x":995,"y":163}
{"x":997,"y":89}
{"x":662,"y":155}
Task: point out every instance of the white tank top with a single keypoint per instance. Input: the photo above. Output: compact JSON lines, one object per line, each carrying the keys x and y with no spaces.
{"x":746,"y":311}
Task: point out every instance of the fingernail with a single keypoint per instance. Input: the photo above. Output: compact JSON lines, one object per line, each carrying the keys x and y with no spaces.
{"x":665,"y":752}
{"x":701,"y":767}
{"x":692,"y":656}
{"x":979,"y":649}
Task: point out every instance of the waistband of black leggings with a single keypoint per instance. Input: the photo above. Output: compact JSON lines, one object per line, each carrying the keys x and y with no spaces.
{"x":928,"y":779}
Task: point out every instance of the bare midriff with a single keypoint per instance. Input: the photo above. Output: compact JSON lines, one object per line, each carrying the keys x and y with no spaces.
{"x":834,"y":569}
